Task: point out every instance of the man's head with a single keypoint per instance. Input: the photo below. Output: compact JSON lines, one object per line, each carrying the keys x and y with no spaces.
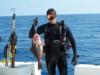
{"x":51,"y":15}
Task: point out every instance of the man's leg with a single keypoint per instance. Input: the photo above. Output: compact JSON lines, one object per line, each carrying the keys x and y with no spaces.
{"x":62,"y":65}
{"x":51,"y":66}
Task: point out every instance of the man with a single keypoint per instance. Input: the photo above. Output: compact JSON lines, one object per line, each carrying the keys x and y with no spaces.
{"x":56,"y":37}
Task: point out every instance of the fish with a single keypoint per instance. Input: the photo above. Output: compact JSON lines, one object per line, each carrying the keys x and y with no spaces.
{"x":6,"y":54}
{"x":37,"y":49}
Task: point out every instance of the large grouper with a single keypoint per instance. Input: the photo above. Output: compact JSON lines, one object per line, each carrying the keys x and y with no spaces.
{"x":37,"y":49}
{"x":37,"y":46}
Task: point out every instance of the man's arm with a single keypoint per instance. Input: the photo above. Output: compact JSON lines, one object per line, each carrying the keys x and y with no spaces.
{"x":72,"y":40}
{"x":41,"y":29}
{"x":69,"y":35}
{"x":32,"y":32}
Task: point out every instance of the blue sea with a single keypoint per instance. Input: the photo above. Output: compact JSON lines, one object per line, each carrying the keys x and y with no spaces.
{"x":85,"y":28}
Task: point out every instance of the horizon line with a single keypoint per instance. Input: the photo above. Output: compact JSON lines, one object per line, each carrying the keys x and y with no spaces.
{"x":57,"y":14}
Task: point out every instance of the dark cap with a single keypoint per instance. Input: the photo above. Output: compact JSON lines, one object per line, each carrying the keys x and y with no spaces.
{"x":50,"y":11}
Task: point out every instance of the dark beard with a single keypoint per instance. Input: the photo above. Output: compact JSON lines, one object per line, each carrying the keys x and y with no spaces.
{"x":51,"y":18}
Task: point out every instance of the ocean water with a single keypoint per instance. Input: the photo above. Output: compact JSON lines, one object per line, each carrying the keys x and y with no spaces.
{"x":85,"y":28}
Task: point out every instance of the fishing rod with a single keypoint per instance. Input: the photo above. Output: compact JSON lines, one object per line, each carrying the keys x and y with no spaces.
{"x":13,"y":39}
{"x":9,"y":49}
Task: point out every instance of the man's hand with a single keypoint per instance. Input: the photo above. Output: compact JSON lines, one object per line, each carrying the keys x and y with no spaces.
{"x":74,"y":60}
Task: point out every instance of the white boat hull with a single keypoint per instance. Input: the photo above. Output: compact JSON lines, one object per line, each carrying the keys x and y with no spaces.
{"x":87,"y":69}
{"x":21,"y":68}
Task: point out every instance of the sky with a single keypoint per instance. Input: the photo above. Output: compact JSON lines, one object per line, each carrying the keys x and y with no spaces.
{"x":39,"y":7}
